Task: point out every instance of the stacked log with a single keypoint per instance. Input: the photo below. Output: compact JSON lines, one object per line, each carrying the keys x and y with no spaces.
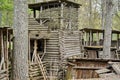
{"x":70,"y":43}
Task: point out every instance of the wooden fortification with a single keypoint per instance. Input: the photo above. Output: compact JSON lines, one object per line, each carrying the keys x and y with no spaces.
{"x":58,"y":50}
{"x":53,"y":24}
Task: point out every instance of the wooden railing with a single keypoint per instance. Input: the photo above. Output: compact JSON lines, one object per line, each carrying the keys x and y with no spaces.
{"x":3,"y":75}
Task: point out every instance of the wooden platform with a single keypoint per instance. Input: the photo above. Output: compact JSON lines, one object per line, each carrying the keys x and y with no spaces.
{"x":85,"y":69}
{"x":98,"y":48}
{"x":89,"y":79}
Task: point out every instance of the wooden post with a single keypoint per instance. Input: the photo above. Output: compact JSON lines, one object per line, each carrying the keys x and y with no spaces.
{"x":87,"y":39}
{"x":29,"y":51}
{"x":40,"y":14}
{"x":0,"y":51}
{"x":92,"y":34}
{"x":98,"y":38}
{"x":2,"y":48}
{"x":35,"y":51}
{"x":90,"y":38}
{"x":118,"y":41}
{"x":44,"y":49}
{"x":10,"y":45}
{"x":7,"y":62}
{"x":34,"y":13}
{"x":61,"y":15}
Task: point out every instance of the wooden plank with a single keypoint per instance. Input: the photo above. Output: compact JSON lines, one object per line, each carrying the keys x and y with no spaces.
{"x":2,"y":71}
{"x":88,"y":68}
{"x":116,"y":67}
{"x":107,"y":75}
{"x":2,"y":50}
{"x":89,"y":79}
{"x":44,"y":49}
{"x":7,"y":61}
{"x":102,"y":71}
{"x":3,"y":76}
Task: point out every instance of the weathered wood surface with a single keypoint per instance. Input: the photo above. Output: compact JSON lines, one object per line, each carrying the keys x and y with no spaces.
{"x":51,"y":49}
{"x":107,"y":78}
{"x":69,"y":43}
{"x":5,"y":33}
{"x":89,"y":79}
{"x":4,"y":75}
{"x":116,"y":67}
{"x":105,"y":75}
{"x":101,"y":71}
{"x":85,"y":69}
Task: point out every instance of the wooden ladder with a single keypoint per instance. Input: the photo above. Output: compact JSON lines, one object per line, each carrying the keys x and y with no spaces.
{"x":38,"y":60}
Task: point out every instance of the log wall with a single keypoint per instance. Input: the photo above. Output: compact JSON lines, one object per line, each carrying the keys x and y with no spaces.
{"x":85,"y":68}
{"x":5,"y":51}
{"x":50,"y":55}
{"x":69,"y":43}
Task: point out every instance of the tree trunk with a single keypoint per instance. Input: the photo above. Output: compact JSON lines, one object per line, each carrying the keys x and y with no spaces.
{"x":108,"y":29}
{"x":90,"y":14}
{"x":103,"y":4}
{"x":20,"y":55}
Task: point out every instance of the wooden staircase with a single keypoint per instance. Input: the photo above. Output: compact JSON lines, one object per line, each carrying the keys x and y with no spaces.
{"x":36,"y":59}
{"x":51,"y":57}
{"x":112,"y":72}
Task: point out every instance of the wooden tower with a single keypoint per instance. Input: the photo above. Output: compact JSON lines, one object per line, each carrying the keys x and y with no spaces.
{"x":47,"y":20}
{"x":56,"y":14}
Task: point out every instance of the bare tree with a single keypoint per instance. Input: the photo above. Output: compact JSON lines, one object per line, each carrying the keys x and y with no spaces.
{"x":90,"y":13}
{"x":108,"y":28}
{"x":20,"y":55}
{"x":103,"y":5}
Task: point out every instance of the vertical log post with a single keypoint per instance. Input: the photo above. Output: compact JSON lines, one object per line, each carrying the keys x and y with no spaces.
{"x":20,"y":53}
{"x":34,"y":13}
{"x":118,"y":41}
{"x":40,"y":14}
{"x":61,"y":15}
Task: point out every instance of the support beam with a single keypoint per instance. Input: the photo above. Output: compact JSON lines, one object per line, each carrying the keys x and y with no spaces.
{"x":44,"y":49}
{"x":40,"y":15}
{"x":91,"y":38}
{"x":34,"y":13}
{"x":117,"y":41}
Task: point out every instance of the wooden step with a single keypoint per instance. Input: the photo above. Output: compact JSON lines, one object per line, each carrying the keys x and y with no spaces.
{"x":101,"y":71}
{"x":116,"y":67}
{"x":52,"y":46}
{"x":54,"y":40}
{"x":33,"y":22}
{"x":107,"y":75}
{"x":51,"y":53}
{"x":52,"y":50}
{"x":3,"y":76}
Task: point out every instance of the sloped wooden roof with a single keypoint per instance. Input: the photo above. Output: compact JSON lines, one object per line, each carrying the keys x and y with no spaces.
{"x":37,"y":5}
{"x":98,"y":30}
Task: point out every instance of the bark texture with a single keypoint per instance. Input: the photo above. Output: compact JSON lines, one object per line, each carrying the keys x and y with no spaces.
{"x":20,"y":55}
{"x":108,"y":29}
{"x":103,"y":13}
